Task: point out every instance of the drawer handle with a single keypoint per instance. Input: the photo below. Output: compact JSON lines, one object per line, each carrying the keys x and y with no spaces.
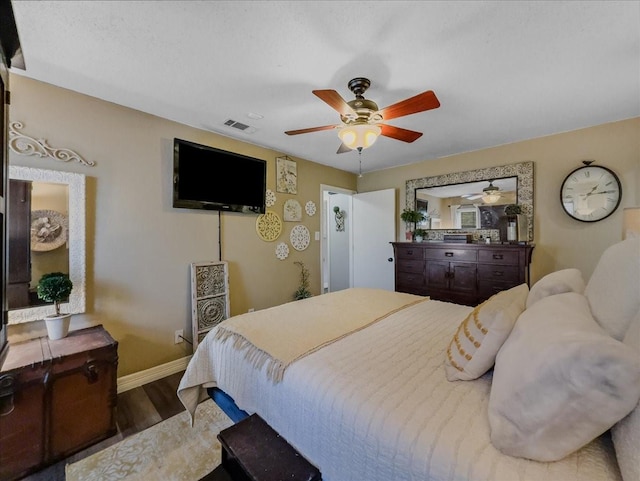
{"x":498,"y":273}
{"x":409,"y":252}
{"x":497,"y":256}
{"x":6,"y":394}
{"x":91,"y":372}
{"x":448,"y":254}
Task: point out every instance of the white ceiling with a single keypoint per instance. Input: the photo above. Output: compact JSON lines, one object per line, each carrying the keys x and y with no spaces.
{"x":503,"y":71}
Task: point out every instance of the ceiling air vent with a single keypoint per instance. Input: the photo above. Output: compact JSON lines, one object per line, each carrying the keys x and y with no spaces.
{"x":247,"y":129}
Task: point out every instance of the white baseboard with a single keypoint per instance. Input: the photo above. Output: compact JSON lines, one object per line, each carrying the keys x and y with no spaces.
{"x":139,"y":378}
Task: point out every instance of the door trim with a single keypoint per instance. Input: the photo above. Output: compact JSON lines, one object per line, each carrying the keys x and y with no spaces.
{"x":325,"y":248}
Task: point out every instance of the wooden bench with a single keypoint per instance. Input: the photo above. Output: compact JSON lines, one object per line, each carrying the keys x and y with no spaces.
{"x":253,"y":451}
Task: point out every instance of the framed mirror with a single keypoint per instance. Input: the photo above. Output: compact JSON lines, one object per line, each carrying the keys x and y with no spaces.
{"x":472,"y":201}
{"x":56,"y":237}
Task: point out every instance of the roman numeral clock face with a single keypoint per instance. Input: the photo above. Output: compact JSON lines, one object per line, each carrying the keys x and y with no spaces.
{"x":591,"y":193}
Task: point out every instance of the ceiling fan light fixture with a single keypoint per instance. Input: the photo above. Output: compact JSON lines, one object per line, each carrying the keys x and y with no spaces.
{"x":359,"y":136}
{"x":490,"y":194}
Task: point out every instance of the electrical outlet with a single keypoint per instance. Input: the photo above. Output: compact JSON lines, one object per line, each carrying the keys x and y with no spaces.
{"x":177,"y":339}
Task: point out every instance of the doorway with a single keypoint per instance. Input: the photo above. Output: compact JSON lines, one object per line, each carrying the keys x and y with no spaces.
{"x":335,"y":248}
{"x":356,"y":235}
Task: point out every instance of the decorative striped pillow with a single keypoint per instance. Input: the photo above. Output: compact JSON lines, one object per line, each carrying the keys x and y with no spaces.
{"x":473,"y":348}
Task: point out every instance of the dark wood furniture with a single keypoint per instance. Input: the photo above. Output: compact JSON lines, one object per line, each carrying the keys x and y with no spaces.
{"x":218,"y":474}
{"x":253,"y":451}
{"x":461,"y":273}
{"x":19,"y":245}
{"x":56,"y":398}
{"x":10,"y":53}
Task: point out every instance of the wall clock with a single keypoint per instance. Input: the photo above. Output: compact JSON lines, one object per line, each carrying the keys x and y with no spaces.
{"x":590,"y":193}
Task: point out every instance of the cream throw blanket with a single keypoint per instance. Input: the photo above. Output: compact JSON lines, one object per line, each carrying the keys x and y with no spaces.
{"x":282,"y":334}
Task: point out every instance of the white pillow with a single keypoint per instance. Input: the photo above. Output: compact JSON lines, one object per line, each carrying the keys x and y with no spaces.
{"x":626,"y":434}
{"x":565,"y":280}
{"x":559,"y":381}
{"x":614,"y":287}
{"x":473,"y":348}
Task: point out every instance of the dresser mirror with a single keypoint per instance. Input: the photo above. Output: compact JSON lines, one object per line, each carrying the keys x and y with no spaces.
{"x":472,"y":201}
{"x":54,"y":221}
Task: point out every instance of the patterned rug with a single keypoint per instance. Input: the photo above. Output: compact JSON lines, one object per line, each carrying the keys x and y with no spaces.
{"x":171,"y":450}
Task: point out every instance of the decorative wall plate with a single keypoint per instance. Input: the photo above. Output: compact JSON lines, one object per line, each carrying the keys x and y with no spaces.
{"x":310,"y":208}
{"x":292,"y":211}
{"x":269,"y":198}
{"x":282,"y":251}
{"x":269,"y":226}
{"x":48,"y":230}
{"x":299,"y":237}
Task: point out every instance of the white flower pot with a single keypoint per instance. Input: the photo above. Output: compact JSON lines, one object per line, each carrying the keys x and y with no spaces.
{"x":58,"y":326}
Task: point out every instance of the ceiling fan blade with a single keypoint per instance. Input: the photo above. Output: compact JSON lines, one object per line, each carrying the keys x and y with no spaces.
{"x":311,"y":129}
{"x":471,"y":196}
{"x":343,"y":148}
{"x":399,"y":133}
{"x":335,"y":101}
{"x":421,"y":102}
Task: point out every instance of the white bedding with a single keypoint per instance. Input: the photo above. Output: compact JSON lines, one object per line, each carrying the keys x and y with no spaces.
{"x":376,"y":406}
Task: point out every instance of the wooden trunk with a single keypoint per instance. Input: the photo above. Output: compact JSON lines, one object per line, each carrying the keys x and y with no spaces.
{"x":56,"y":398}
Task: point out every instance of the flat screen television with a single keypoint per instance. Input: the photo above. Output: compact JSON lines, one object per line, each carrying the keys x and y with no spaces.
{"x":214,"y":179}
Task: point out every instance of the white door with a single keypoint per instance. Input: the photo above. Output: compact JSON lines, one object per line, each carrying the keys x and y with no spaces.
{"x":373,"y":225}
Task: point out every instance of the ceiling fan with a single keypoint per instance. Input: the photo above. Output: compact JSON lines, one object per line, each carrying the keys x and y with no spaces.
{"x":363,"y":121}
{"x":490,"y":194}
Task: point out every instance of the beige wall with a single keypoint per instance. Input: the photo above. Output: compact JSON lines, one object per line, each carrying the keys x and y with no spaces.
{"x":561,"y":242}
{"x":138,"y":247}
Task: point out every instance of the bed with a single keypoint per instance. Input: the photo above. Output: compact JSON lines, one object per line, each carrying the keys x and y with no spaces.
{"x":393,"y":397}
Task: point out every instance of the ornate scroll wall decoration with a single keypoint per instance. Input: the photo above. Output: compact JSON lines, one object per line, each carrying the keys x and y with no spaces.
{"x":23,"y":144}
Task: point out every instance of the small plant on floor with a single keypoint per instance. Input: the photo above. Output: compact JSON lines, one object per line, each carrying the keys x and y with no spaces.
{"x":303,"y":290}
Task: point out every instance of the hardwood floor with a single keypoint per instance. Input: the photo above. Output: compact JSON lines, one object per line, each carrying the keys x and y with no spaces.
{"x":137,"y":409}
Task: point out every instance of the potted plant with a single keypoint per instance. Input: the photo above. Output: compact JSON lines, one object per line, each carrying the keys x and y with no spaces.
{"x":55,"y":287}
{"x":419,"y":235}
{"x":515,"y":223}
{"x":303,"y":290}
{"x":513,"y":209}
{"x":410,"y":216}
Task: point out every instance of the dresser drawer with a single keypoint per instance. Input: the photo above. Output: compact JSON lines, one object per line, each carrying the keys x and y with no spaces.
{"x":410,"y":266}
{"x":455,"y":255}
{"x":495,"y":256}
{"x":487,"y":288}
{"x":410,"y":278}
{"x":406,"y":252}
{"x":501,"y":273}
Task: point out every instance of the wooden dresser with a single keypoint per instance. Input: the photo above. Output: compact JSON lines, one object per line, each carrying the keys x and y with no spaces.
{"x":461,"y":273}
{"x":56,"y":398}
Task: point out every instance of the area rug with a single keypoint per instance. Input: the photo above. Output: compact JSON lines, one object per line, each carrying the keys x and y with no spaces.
{"x":171,"y":450}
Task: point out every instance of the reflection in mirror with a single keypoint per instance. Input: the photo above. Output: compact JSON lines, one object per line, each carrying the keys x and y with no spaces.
{"x":37,"y":222}
{"x":472,"y":205}
{"x":469,"y":201}
{"x":46,"y":223}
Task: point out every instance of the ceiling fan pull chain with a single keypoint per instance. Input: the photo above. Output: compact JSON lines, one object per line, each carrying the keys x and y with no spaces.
{"x":360,"y":161}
